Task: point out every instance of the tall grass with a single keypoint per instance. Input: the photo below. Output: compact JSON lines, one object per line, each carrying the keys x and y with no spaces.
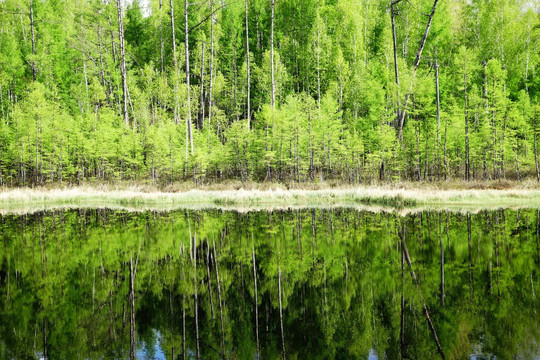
{"x":390,"y":197}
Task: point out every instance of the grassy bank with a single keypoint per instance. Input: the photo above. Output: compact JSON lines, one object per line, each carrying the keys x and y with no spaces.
{"x":268,"y":196}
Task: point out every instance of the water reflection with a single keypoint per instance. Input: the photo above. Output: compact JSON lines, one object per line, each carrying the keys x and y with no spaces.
{"x":338,"y":283}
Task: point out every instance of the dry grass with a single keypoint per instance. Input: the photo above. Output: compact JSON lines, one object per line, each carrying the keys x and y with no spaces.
{"x":235,"y":195}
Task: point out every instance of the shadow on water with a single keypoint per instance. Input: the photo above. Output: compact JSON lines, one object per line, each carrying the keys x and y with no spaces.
{"x":297,"y":284}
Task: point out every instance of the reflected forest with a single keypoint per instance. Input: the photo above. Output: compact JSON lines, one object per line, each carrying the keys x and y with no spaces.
{"x":296,"y":284}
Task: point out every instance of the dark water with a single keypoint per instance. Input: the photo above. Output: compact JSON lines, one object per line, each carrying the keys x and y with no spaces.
{"x":331,"y":284}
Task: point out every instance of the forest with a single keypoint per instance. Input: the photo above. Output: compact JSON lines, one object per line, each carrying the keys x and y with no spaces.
{"x":353,"y":91}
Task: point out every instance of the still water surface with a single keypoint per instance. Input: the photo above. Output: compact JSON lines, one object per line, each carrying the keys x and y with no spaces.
{"x":298,"y":284}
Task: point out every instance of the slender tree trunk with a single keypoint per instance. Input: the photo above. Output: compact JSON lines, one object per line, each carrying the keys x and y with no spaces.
{"x":467,"y":161}
{"x":200,"y":125}
{"x":535,"y":147}
{"x":101,"y":66}
{"x":248,"y":75}
{"x":416,"y":63}
{"x":34,"y":70}
{"x":311,"y":160}
{"x":318,"y":50}
{"x":396,"y":68}
{"x":37,"y":148}
{"x":188,"y":87}
{"x":210,"y":86}
{"x":438,"y":117}
{"x":123,"y":63}
{"x":272,"y":57}
{"x":175,"y":62}
{"x":161,"y":43}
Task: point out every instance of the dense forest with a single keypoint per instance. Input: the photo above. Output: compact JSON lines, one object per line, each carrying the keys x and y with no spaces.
{"x":276,"y":90}
{"x":301,"y":284}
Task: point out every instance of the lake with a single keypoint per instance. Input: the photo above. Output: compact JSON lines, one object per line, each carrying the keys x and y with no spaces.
{"x":296,"y":284}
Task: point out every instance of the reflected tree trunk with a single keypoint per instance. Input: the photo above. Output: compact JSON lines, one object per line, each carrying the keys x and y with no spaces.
{"x":497,"y":263}
{"x":196,"y":296}
{"x":471,"y":275}
{"x":402,"y":317}
{"x":256,"y":301}
{"x":538,"y":232}
{"x":220,"y":301}
{"x":184,"y":354}
{"x":132,"y":310}
{"x":442,"y":262}
{"x":45,"y":352}
{"x":415,"y":279}
{"x":281,"y":316}
{"x":209,"y":281}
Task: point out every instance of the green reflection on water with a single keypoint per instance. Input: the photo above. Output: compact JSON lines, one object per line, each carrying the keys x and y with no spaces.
{"x":339,"y":278}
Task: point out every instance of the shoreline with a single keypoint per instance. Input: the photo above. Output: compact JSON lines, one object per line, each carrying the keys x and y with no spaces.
{"x":385,"y":197}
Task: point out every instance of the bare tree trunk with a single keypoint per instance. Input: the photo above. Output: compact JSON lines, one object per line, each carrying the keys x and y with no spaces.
{"x":318,"y":68}
{"x":210,"y":87}
{"x":161,"y":43}
{"x":200,"y":125}
{"x":186,"y":39}
{"x":272,"y":57}
{"x":175,"y":62}
{"x":416,"y":63}
{"x":467,"y":163}
{"x":248,"y":75}
{"x":535,"y":147}
{"x":122,"y":62}
{"x":396,"y":68}
{"x":311,"y":164}
{"x":438,"y":117}
{"x":34,"y":70}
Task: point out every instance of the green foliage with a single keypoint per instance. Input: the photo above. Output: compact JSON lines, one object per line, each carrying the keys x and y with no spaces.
{"x":337,"y":99}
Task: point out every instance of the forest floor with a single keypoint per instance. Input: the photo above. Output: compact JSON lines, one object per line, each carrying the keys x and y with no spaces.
{"x":468,"y":196}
